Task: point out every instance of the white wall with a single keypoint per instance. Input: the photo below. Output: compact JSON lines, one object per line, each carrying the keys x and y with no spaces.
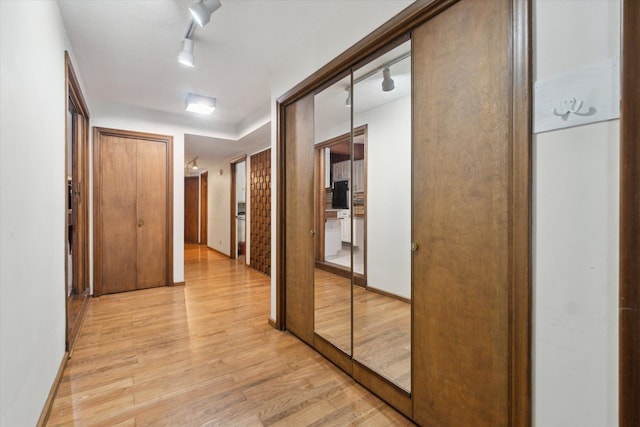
{"x":389,"y":196}
{"x":314,"y":52}
{"x":218,"y":211}
{"x":575,"y":249}
{"x":32,"y":206}
{"x":241,"y":179}
{"x":219,"y":219}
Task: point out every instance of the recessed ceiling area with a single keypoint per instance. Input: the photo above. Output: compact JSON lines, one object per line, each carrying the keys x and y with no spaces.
{"x":211,"y":151}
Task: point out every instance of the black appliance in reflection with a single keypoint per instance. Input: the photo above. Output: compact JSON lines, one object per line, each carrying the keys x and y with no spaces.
{"x":340,"y":195}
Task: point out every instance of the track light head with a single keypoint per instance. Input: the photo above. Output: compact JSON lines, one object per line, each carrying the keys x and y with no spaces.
{"x":202,"y":10}
{"x":387,"y":81}
{"x":186,"y":55}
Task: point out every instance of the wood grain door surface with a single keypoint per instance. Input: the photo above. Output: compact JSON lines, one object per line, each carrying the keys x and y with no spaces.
{"x":152,"y":215}
{"x":119,"y":214}
{"x":461,"y":156}
{"x":133,"y":214}
{"x":191,"y":191}
{"x":299,"y":216}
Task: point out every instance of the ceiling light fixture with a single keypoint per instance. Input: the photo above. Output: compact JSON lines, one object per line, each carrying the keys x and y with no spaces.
{"x":200,"y":104}
{"x":191,"y":165}
{"x":186,"y":55}
{"x":387,"y":81}
{"x":347,"y":102}
{"x":202,"y":10}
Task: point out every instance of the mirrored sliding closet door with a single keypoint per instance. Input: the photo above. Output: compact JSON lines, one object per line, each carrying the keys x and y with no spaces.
{"x":333,"y":188}
{"x":382,"y":215}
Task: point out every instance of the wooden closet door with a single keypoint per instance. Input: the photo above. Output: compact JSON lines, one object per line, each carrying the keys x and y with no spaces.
{"x":191,"y":194}
{"x":151,"y":172}
{"x":462,"y":124}
{"x":299,"y":257}
{"x":118,"y":209}
{"x":133,"y":241}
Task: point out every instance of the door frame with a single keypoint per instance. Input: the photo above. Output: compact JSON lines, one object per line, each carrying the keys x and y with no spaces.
{"x":204,"y":208}
{"x":80,"y":128}
{"x":233,"y":253}
{"x":98,"y":134}
{"x":629,"y":232}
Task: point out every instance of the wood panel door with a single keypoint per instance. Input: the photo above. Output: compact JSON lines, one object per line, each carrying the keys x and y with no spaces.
{"x":299,"y":232}
{"x":191,"y":195}
{"x":132,"y":211}
{"x":151,"y":171}
{"x":119,"y":195}
{"x":461,"y":219}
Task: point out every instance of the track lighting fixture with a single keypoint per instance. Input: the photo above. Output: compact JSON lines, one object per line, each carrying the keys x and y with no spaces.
{"x":200,"y":104}
{"x":202,"y":10}
{"x":186,"y":55}
{"x":387,"y":81}
{"x":191,"y":165}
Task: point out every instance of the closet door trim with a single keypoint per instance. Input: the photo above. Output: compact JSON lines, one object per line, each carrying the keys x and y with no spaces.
{"x":98,"y":134}
{"x":520,"y":381}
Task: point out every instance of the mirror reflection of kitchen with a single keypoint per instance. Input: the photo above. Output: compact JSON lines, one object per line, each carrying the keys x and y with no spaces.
{"x":362,"y":205}
{"x":382,"y":305}
{"x":332,"y":219}
{"x":340,"y":240}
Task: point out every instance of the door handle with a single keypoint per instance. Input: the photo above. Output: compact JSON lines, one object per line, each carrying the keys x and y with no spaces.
{"x":140,"y":223}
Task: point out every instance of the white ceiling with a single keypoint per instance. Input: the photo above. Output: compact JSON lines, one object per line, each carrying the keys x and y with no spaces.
{"x":126,"y":51}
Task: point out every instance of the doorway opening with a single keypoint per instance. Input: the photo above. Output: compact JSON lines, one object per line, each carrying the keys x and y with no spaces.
{"x":238,"y":208}
{"x":196,"y":198}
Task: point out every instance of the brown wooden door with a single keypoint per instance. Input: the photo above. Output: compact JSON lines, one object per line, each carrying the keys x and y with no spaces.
{"x":204,"y":211}
{"x":152,"y":217}
{"x":299,"y":237}
{"x":133,"y":244}
{"x":118,"y":160}
{"x":191,"y":191}
{"x":461,"y":187}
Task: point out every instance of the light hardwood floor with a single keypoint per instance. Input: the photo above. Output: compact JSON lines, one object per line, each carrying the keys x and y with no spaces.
{"x":381,"y":326}
{"x":203,"y":354}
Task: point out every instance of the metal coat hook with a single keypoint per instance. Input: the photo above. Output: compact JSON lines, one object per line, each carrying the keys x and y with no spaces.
{"x":572,"y":105}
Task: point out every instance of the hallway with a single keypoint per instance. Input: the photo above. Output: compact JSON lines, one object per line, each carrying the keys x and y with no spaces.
{"x":204,"y":354}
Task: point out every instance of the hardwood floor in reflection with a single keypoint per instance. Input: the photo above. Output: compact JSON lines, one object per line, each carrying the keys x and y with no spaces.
{"x":382,"y":335}
{"x":332,"y":320}
{"x":381,"y":326}
{"x":203,"y":354}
